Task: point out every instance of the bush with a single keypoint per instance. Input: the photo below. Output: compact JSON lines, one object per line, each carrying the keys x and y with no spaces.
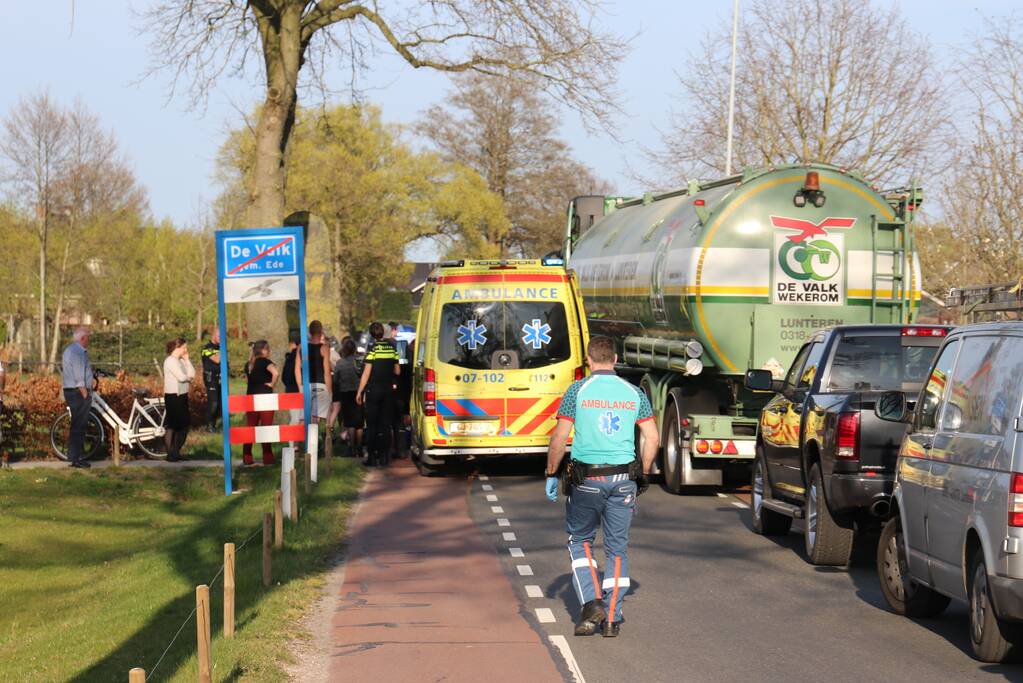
{"x":33,"y":401}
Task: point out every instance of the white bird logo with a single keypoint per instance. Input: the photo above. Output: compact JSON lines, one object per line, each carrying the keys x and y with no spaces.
{"x":264,"y":288}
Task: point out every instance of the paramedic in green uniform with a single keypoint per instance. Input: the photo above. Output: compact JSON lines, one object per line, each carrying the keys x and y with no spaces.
{"x":605,"y":410}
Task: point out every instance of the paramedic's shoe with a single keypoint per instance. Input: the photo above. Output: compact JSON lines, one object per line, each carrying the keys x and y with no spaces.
{"x":611,"y":629}
{"x":590,"y":618}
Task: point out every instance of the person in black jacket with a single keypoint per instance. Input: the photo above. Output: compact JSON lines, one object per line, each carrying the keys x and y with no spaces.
{"x":211,"y":379}
{"x":376,"y":393}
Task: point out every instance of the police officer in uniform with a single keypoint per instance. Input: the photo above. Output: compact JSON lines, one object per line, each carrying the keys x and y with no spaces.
{"x":604,"y":480}
{"x":376,"y":392}
{"x":211,"y":378}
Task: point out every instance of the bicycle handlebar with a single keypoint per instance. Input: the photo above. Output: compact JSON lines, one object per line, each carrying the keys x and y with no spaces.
{"x":99,"y":372}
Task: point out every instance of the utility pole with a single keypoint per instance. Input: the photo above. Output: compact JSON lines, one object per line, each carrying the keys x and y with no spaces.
{"x":731,"y":90}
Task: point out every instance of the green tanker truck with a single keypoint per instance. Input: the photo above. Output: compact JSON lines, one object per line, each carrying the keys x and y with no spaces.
{"x":697,"y":285}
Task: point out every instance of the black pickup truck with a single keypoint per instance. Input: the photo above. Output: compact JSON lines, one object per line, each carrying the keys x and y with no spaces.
{"x":822,"y":454}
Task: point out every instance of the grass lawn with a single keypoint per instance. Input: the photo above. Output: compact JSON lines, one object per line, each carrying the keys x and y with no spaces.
{"x":99,"y":569}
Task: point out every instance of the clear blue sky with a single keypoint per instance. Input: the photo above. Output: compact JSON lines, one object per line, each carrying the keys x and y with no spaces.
{"x":173,"y":149}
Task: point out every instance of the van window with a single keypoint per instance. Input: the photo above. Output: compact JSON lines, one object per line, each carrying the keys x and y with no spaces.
{"x":986,"y":386}
{"x":935,"y":388}
{"x":528,"y":334}
{"x":880,"y":363}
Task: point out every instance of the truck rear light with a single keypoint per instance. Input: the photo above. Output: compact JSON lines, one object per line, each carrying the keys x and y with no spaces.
{"x":924,"y":331}
{"x":716,"y":447}
{"x":702,"y":447}
{"x":580,"y":372}
{"x":847,"y":440}
{"x":429,"y":392}
{"x":1016,"y":500}
{"x":730,"y":449}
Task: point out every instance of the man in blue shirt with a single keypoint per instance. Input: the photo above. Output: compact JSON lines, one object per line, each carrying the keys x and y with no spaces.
{"x":605,"y":410}
{"x":77,"y":379}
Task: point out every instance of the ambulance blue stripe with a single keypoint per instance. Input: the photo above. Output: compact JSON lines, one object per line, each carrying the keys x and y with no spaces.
{"x":471,"y":407}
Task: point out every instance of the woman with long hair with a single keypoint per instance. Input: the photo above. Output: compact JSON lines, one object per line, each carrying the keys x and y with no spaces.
{"x":261,"y":375}
{"x":178,"y":373}
{"x":346,"y":380}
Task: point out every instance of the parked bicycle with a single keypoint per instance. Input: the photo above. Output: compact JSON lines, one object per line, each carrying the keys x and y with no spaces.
{"x":143,"y":428}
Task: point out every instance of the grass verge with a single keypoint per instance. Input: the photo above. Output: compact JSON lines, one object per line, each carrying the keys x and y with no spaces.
{"x":99,"y":570}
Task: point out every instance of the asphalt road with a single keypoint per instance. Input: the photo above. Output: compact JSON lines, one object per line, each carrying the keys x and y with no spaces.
{"x":711,"y":601}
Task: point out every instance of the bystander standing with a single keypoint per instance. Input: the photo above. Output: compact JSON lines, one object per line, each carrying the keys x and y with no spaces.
{"x":346,"y":385}
{"x":78,"y":383}
{"x":178,"y":374}
{"x":261,"y":375}
{"x":211,"y":379}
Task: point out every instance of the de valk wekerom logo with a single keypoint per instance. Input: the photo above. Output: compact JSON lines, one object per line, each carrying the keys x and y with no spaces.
{"x":807,"y":254}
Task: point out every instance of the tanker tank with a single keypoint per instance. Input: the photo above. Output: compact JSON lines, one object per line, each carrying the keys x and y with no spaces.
{"x":695,"y":286}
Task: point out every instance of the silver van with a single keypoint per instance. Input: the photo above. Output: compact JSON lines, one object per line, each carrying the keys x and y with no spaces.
{"x":956,"y":529}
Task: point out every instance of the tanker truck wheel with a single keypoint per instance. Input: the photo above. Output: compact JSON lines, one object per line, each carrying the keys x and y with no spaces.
{"x":676,"y":451}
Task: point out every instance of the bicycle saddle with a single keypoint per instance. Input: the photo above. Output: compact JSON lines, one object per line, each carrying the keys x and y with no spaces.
{"x":141,"y":393}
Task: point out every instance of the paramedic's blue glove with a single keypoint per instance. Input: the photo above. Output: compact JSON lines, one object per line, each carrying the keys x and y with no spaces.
{"x":552,"y":489}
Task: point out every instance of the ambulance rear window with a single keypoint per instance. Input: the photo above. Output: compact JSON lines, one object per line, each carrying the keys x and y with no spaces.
{"x":500,"y":335}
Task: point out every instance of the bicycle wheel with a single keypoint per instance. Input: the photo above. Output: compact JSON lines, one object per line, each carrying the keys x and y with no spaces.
{"x":60,"y":434}
{"x":147,"y":428}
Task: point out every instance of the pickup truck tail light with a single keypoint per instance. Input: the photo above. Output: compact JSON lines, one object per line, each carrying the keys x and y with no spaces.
{"x":1016,"y":501}
{"x":847,"y":439}
{"x":924,"y":331}
{"x":429,"y":392}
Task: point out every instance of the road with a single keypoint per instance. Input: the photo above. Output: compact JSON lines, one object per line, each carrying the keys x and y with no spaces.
{"x":711,"y":601}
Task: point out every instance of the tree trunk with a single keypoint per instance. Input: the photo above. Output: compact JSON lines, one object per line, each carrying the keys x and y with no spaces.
{"x":282,"y":50}
{"x":42,"y":294}
{"x":60,"y":303}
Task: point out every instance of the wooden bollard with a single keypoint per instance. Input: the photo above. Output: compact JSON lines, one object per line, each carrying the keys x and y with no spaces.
{"x":117,"y":446}
{"x":266,"y":549}
{"x":308,"y":486}
{"x":137,"y":675}
{"x":294,"y":495}
{"x":229,"y":590}
{"x":202,"y":633}
{"x":278,"y":520}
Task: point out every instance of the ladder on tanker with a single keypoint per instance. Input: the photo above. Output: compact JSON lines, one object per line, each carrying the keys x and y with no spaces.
{"x":890,"y":239}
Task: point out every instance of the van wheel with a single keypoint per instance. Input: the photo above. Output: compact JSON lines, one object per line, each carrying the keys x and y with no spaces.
{"x":826,"y":542}
{"x":765,"y":522}
{"x":990,"y":637}
{"x":904,"y":595}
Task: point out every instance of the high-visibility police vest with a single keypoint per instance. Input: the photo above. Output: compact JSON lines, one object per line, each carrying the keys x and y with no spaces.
{"x":604,"y":410}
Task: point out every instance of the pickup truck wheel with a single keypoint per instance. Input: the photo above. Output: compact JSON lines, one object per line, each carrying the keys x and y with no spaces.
{"x":826,"y":542}
{"x":990,"y":637}
{"x":904,"y":595}
{"x":765,"y":522}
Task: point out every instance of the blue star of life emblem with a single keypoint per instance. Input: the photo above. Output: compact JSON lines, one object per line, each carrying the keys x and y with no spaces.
{"x":536,"y":334}
{"x":472,"y":335}
{"x":610,"y":423}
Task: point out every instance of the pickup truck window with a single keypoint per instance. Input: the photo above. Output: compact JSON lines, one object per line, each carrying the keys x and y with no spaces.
{"x":792,"y":378}
{"x":879,"y":363}
{"x":933,"y":392}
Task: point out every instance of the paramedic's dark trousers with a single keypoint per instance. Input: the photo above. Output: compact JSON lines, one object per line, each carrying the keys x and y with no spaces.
{"x":607,"y":502}
{"x":379,"y":403}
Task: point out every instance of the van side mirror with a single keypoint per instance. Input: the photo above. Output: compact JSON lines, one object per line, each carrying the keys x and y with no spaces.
{"x":892,"y":406}
{"x":759,"y":380}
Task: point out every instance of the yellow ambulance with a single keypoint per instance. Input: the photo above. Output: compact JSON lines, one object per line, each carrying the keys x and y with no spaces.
{"x":497,"y":344}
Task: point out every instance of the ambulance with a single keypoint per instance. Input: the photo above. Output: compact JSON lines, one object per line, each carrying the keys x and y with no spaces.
{"x":498,"y":344}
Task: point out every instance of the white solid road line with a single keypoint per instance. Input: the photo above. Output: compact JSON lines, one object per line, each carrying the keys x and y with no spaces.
{"x":524,"y":569}
{"x":722,"y":495}
{"x":509,"y":536}
{"x":544,"y":615}
{"x":497,"y":509}
{"x":516,"y":552}
{"x":487,"y":487}
{"x":534,"y":591}
{"x":561,"y":643}
{"x":491,"y":498}
{"x":503,"y":522}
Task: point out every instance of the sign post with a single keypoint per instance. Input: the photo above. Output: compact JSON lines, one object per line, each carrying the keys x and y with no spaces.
{"x":264,"y":264}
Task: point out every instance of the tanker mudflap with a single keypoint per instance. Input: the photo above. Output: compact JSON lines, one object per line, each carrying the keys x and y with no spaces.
{"x":723,"y":437}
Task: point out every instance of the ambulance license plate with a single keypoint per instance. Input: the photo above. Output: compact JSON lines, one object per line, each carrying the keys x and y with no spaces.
{"x":474,"y":428}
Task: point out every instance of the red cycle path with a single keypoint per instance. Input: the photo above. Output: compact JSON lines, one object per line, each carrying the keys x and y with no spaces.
{"x":424,"y":596}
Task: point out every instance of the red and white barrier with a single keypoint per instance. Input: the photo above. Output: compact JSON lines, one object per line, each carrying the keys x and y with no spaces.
{"x":247,"y":403}
{"x":267,"y":434}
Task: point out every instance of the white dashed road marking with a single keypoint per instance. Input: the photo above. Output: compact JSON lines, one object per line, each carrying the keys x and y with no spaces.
{"x":491,"y":498}
{"x":516,"y":552}
{"x":534,"y":591}
{"x":503,"y":522}
{"x":509,"y":536}
{"x":524,"y":569}
{"x":497,"y":509}
{"x":544,"y":615}
{"x":561,"y":643}
{"x":739,"y":504}
{"x":483,"y":477}
{"x":487,"y":487}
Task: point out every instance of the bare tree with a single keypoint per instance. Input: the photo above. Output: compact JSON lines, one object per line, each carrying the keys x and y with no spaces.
{"x":836,"y":81}
{"x":983,"y":198}
{"x":35,"y":148}
{"x":507,"y":132}
{"x":198,"y":41}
